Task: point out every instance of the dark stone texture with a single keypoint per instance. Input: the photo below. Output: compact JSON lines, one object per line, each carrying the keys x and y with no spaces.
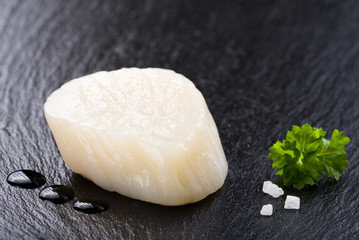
{"x":261,"y":65}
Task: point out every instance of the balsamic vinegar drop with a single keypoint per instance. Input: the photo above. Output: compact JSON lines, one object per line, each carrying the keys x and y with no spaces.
{"x":26,"y":179}
{"x":90,"y":206}
{"x":57,"y":194}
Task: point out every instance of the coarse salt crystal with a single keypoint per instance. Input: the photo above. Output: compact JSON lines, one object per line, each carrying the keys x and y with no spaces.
{"x":292,"y":202}
{"x":272,"y":189}
{"x":267,"y":210}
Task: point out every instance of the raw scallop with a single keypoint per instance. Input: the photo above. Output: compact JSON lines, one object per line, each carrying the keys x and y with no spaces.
{"x":144,"y":133}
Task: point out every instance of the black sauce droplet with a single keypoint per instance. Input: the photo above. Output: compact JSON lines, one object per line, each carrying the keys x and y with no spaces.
{"x":90,"y":206}
{"x":26,"y":179}
{"x":57,"y":194}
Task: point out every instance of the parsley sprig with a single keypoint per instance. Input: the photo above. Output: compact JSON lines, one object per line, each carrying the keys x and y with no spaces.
{"x":305,"y":155}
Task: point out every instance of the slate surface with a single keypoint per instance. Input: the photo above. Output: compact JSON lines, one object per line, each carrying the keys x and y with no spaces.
{"x":261,"y":65}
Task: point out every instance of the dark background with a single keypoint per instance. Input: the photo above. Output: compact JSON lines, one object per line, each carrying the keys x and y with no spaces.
{"x":261,"y":66}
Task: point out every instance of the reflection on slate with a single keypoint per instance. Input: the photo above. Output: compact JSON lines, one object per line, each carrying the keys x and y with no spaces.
{"x":130,"y":207}
{"x":261,"y":66}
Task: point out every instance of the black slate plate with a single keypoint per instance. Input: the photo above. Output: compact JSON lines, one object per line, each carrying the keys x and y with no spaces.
{"x":261,"y":65}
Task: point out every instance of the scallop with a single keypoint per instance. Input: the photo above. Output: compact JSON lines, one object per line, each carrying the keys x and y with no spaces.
{"x":144,"y":133}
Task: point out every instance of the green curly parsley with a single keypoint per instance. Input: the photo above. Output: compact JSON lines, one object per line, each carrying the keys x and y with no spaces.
{"x":304,"y":156}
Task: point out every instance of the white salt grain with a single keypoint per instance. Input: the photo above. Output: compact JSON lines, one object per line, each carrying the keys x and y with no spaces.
{"x":292,"y":202}
{"x":272,"y":189}
{"x":267,"y":210}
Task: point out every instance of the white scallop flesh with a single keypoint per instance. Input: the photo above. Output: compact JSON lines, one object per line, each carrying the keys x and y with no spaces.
{"x":144,"y":133}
